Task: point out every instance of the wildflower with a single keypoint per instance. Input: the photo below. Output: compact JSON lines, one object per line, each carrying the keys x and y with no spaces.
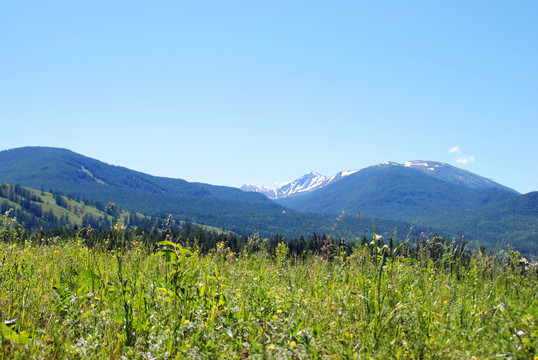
{"x":103,"y":313}
{"x":159,"y":297}
{"x":271,"y":347}
{"x":293,"y":344}
{"x":279,"y":311}
{"x":187,"y":346}
{"x":275,"y":317}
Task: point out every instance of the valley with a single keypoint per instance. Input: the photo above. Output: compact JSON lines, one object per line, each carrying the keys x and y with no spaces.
{"x":395,"y":200}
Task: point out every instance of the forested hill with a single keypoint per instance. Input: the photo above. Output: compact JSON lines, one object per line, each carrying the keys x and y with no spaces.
{"x":71,"y":173}
{"x":38,"y":167}
{"x":489,"y":216}
{"x":511,"y":222}
{"x":395,"y":192}
{"x":222,"y":207}
{"x":387,"y":197}
{"x":35,"y":209}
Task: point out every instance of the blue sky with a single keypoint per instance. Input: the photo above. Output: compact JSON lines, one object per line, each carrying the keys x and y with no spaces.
{"x":238,"y":92}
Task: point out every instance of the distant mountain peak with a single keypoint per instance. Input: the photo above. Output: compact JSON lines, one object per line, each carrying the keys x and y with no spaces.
{"x":309,"y":182}
{"x":451,"y":174}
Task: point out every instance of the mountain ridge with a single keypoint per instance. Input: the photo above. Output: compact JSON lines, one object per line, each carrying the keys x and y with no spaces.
{"x":306,"y":183}
{"x":389,"y":197}
{"x":219,"y":206}
{"x":313,"y":181}
{"x":398,"y":192}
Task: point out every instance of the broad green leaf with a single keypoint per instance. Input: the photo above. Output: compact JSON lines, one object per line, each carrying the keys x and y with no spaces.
{"x":166,"y":243}
{"x":13,"y":336}
{"x":88,"y":275}
{"x":165,"y":251}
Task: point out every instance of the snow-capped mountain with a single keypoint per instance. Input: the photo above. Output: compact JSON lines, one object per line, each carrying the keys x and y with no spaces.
{"x":439,"y":170}
{"x":406,"y":192}
{"x":306,"y":183}
{"x":451,"y":174}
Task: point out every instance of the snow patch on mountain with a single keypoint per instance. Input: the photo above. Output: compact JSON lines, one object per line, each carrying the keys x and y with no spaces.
{"x":306,"y":183}
{"x":452,"y":174}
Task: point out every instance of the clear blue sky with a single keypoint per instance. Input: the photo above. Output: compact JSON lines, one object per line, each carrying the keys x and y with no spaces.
{"x":235,"y":92}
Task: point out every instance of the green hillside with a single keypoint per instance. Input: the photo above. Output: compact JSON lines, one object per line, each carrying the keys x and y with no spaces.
{"x":388,"y":198}
{"x":218,"y":206}
{"x":511,"y":222}
{"x":35,"y":209}
{"x":486,"y":216}
{"x":398,"y":193}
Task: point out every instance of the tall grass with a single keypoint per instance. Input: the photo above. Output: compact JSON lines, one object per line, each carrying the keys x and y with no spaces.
{"x":61,"y":299}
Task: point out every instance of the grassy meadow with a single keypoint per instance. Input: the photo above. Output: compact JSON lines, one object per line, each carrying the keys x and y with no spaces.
{"x":60,"y":299}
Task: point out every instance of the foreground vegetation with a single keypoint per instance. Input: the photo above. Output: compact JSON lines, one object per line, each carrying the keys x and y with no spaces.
{"x":129,"y":298}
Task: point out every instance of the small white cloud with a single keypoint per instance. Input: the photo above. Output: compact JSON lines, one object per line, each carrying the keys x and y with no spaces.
{"x":465,"y":159}
{"x":462,"y":157}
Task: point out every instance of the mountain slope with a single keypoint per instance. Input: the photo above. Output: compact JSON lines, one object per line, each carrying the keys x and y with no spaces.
{"x":39,"y":209}
{"x":452,"y":174}
{"x":403,"y":194}
{"x":52,"y":168}
{"x":63,"y":169}
{"x":441,"y":171}
{"x":513,"y":221}
{"x":454,"y":202}
{"x":394,"y":192}
{"x":219,"y":206}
